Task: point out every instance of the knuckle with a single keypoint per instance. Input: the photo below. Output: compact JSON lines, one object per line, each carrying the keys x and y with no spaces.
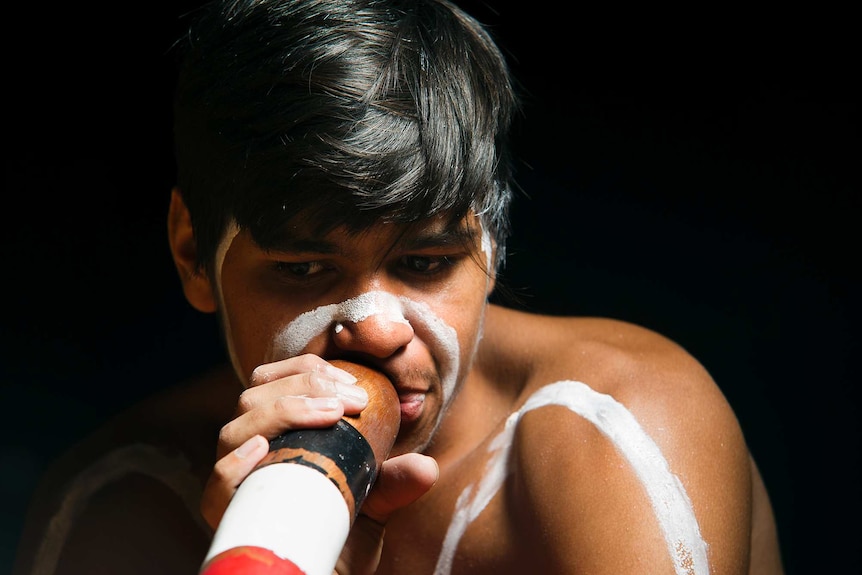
{"x":283,"y":407}
{"x":310,"y":383}
{"x":221,"y":472}
{"x":260,"y":375}
{"x":308,"y":361}
{"x":226,"y":438}
{"x":245,"y":402}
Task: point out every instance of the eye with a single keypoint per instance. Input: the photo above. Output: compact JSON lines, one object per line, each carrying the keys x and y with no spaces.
{"x":426,"y":264}
{"x":300,"y":270}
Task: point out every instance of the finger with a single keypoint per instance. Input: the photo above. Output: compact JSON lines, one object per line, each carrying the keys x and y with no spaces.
{"x":323,"y":381}
{"x":277,"y":416}
{"x":228,"y":473}
{"x":310,"y":384}
{"x":306,"y":363}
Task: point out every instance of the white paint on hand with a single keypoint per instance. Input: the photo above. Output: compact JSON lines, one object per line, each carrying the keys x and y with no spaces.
{"x":666,"y":493}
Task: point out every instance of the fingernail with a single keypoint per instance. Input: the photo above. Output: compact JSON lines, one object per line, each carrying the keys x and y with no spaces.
{"x":352,"y":392}
{"x":335,"y":373}
{"x":251,"y":445}
{"x":323,"y":403}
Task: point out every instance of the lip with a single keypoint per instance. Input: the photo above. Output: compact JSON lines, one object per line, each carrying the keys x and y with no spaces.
{"x":412,"y":406}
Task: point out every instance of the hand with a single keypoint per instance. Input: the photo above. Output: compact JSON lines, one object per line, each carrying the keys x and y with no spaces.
{"x":300,"y":392}
{"x":402,"y":480}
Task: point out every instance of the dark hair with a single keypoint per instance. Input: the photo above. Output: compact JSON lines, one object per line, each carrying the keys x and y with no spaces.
{"x":345,"y":111}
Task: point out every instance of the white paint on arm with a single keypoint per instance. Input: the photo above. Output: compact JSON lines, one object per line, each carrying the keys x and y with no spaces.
{"x":666,"y":493}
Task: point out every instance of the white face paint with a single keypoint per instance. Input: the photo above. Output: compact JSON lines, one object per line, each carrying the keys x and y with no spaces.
{"x":487,"y":249}
{"x":666,"y":493}
{"x":441,"y":338}
{"x":221,"y":252}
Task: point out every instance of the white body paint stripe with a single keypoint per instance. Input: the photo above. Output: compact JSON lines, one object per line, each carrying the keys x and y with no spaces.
{"x":669,"y":499}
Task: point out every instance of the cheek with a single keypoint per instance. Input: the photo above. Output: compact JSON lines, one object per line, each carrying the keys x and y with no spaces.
{"x":470,"y":329}
{"x":249,"y":325}
{"x":451,"y":328}
{"x":250,"y":318}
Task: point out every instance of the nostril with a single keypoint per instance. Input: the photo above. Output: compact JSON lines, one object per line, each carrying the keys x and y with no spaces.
{"x":377,"y":335}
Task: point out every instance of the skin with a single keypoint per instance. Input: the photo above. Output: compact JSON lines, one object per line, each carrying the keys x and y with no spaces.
{"x":570,"y":503}
{"x":651,"y":376}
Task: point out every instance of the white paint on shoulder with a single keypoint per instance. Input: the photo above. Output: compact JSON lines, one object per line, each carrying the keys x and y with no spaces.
{"x":667,"y":495}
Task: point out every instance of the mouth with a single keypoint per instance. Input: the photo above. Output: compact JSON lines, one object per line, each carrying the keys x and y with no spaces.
{"x":412,"y":401}
{"x":412,"y":405}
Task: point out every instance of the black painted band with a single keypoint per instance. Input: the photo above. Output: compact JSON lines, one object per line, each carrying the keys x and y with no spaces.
{"x":343,"y":445}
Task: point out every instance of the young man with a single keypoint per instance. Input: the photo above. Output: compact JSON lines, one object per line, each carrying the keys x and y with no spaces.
{"x":343,"y":187}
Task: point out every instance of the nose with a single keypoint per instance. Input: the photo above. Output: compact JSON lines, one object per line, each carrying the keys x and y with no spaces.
{"x":377,"y":335}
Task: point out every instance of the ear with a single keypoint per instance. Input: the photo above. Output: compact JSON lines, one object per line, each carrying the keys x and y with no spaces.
{"x":196,"y":284}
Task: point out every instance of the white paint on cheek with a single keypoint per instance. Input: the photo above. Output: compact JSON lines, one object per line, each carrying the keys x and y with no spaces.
{"x":310,"y":324}
{"x":667,"y":495}
{"x":223,"y":247}
{"x":443,"y":341}
{"x":487,"y":248}
{"x":439,"y":336}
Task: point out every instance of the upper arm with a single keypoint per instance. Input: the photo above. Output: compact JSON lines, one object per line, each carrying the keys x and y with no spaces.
{"x":127,"y":508}
{"x":125,"y":499}
{"x":135,"y":524}
{"x":645,"y":485}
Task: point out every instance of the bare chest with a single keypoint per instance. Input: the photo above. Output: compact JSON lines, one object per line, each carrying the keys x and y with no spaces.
{"x":465,"y":524}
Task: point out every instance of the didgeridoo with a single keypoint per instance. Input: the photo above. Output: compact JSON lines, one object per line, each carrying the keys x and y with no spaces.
{"x":292,"y":514}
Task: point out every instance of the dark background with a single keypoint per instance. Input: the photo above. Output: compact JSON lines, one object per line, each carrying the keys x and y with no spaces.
{"x":693,"y":172}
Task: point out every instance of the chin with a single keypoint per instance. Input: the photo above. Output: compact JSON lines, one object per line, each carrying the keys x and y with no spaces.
{"x":412,"y":439}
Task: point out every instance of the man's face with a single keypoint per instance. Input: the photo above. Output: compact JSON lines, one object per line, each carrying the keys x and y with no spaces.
{"x":408,"y":301}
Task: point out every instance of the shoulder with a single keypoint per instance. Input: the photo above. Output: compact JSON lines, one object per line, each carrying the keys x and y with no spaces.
{"x":627,"y":448}
{"x":130,"y":488}
{"x":636,"y":365}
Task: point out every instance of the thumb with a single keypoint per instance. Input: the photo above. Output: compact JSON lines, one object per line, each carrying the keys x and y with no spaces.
{"x":402,"y":480}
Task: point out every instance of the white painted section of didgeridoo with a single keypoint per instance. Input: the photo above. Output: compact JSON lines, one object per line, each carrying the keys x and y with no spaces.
{"x":293,"y":510}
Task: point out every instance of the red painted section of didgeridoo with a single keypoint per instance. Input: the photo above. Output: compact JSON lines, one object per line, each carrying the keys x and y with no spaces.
{"x":250,"y":560}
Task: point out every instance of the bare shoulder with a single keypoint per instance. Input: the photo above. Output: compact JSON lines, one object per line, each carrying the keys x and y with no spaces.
{"x":131,"y":487}
{"x":628,"y":433}
{"x":638,"y":366}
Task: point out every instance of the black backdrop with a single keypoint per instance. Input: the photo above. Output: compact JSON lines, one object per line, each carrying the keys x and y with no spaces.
{"x":693,"y":172}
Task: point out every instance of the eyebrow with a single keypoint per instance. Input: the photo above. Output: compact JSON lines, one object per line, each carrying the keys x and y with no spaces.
{"x":304,"y":245}
{"x":456,"y":235}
